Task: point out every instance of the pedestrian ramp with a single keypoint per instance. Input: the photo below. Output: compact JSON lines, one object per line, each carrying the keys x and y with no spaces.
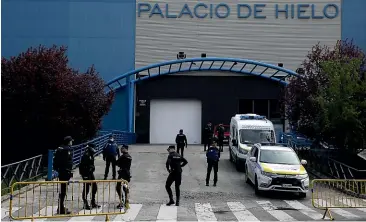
{"x":245,"y":210}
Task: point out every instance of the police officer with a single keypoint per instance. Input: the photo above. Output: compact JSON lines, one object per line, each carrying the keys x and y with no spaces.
{"x":174,"y":166}
{"x":124,"y":172}
{"x":86,"y":170}
{"x":110,"y":151}
{"x":63,"y":165}
{"x":213,"y":157}
{"x":220,"y":136}
{"x":181,"y":141}
{"x":207,"y":135}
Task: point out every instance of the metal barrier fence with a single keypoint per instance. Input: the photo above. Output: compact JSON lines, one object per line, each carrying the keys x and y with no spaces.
{"x":42,"y":202}
{"x":333,"y":193}
{"x":24,"y":170}
{"x":78,"y":150}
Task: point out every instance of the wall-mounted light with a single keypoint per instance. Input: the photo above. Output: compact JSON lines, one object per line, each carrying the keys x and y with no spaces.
{"x":203,"y":55}
{"x":280,"y":65}
{"x":181,"y":55}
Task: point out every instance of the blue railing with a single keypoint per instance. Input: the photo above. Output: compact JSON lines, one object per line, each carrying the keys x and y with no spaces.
{"x":78,"y":150}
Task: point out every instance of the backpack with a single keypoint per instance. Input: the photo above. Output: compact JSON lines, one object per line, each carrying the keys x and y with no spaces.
{"x":213,"y":154}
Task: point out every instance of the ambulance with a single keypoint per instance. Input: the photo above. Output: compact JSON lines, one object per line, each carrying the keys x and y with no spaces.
{"x":245,"y":131}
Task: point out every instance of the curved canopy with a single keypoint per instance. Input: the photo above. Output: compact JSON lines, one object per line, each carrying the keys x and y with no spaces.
{"x":240,"y":66}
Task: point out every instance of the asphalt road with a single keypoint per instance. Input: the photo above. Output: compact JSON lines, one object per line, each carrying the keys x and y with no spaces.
{"x":231,"y":200}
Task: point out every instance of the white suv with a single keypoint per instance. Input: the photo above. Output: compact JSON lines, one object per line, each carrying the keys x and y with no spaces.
{"x":276,"y":167}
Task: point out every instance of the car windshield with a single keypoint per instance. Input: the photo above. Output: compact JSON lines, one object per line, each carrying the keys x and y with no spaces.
{"x":249,"y":136}
{"x":279,"y":157}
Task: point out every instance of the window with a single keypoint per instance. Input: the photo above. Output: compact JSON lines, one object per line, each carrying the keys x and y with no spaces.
{"x":249,"y":136}
{"x":261,"y":107}
{"x":275,"y":109}
{"x":245,"y":106}
{"x":252,"y":151}
{"x":256,"y":153}
{"x":279,"y":157}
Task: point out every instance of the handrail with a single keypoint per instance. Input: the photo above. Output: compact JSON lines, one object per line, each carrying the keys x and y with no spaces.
{"x":24,"y":170}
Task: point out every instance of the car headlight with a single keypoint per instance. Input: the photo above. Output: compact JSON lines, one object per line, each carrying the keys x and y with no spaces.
{"x":302,"y":176}
{"x":269,"y":174}
{"x":242,"y":151}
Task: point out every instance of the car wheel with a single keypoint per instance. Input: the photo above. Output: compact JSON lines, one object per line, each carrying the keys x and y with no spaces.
{"x":302,"y":195}
{"x":247,"y":180}
{"x":257,"y":191}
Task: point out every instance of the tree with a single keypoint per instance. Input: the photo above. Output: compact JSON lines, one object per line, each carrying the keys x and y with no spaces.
{"x":43,"y":100}
{"x":342,"y":110}
{"x":304,"y":97}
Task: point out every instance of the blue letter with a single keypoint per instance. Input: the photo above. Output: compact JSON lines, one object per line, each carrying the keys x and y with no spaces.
{"x":185,"y":10}
{"x":313,"y":13}
{"x":227,"y":10}
{"x":167,"y":12}
{"x":300,"y":11}
{"x":140,"y":9}
{"x":156,"y":8}
{"x":195,"y":10}
{"x":326,"y":13}
{"x":256,"y":10}
{"x":211,"y":8}
{"x":282,"y":10}
{"x":292,"y":11}
{"x":249,"y":11}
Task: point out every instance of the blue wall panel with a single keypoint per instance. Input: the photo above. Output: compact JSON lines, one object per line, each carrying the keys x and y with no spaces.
{"x":354,"y":22}
{"x":117,"y":118}
{"x":99,"y":32}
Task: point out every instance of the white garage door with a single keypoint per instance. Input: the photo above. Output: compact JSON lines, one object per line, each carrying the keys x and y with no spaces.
{"x":167,"y":117}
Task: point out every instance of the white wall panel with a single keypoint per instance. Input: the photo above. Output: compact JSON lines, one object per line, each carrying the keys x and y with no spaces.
{"x":271,"y":40}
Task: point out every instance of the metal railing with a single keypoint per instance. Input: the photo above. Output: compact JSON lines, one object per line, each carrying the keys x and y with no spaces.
{"x":320,"y":159}
{"x":334,"y":193}
{"x":42,"y":201}
{"x":25,"y":170}
{"x":78,"y":150}
{"x":32,"y":168}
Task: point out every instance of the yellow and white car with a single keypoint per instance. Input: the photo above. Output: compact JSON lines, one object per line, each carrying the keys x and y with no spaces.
{"x":273,"y":167}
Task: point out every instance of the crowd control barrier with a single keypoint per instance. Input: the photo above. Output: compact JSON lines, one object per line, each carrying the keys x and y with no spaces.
{"x":335,"y":193}
{"x":43,"y":200}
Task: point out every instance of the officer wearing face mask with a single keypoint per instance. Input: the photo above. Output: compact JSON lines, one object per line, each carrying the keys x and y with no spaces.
{"x":181,"y":141}
{"x":86,"y":169}
{"x":63,"y":165}
{"x":124,"y":172}
{"x":110,"y":152}
{"x":174,"y":166}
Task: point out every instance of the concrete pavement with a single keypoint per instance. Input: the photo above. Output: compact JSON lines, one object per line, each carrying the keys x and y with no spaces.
{"x":231,"y":200}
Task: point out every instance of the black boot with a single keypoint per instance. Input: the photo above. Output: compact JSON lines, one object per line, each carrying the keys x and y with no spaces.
{"x":86,"y":205}
{"x":63,"y":210}
{"x":177,"y":203}
{"x":171,"y":201}
{"x":94,"y":204}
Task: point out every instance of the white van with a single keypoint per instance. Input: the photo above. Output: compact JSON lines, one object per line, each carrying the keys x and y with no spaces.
{"x":245,"y":131}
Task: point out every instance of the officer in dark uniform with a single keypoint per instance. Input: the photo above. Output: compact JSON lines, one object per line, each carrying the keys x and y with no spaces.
{"x":207,"y":135}
{"x":124,"y":172}
{"x":110,"y":152}
{"x":220,"y":136}
{"x":86,"y":169}
{"x":213,"y":157}
{"x":181,"y":141}
{"x":63,"y":165}
{"x":174,"y":166}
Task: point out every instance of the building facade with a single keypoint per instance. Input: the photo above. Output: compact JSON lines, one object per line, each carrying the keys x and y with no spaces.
{"x":118,"y":36}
